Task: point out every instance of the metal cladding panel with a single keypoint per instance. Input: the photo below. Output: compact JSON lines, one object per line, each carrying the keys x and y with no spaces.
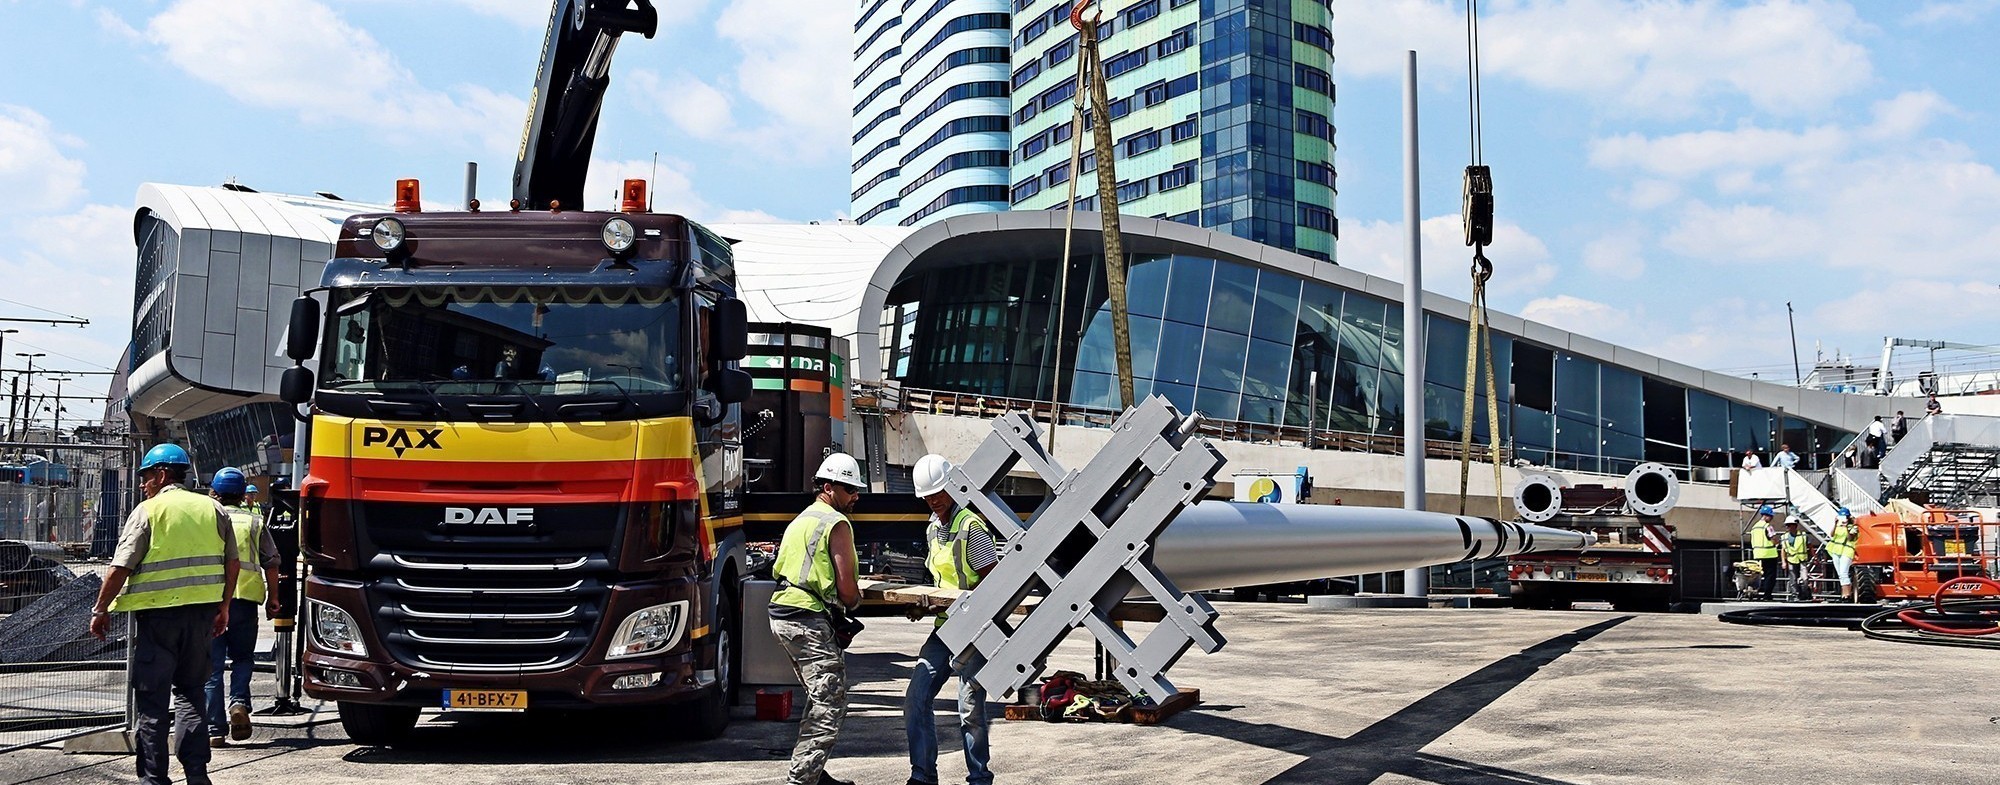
{"x":286,"y":256}
{"x":1635,"y":360}
{"x":251,"y":338}
{"x":218,"y":358}
{"x":222,"y":283}
{"x":254,"y":274}
{"x":1727,"y":386}
{"x":1590,"y":347}
{"x":1545,"y":335}
{"x":1685,"y":375}
{"x":190,"y":315}
{"x":194,"y":252}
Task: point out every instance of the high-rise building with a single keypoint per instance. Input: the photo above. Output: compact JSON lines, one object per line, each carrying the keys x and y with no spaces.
{"x":930,"y":113}
{"x":1223,"y":111}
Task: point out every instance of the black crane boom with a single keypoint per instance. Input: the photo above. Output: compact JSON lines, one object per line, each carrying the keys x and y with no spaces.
{"x":569,"y":95}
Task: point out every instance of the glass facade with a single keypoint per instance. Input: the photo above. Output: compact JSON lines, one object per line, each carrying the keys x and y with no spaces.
{"x":1236,"y":342}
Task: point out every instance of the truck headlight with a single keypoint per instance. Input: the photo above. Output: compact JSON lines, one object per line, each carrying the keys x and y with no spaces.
{"x":649,"y":630}
{"x":388,"y":235}
{"x":618,"y":235}
{"x":334,"y":630}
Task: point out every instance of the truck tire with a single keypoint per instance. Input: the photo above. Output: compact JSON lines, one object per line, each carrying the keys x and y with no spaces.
{"x":707,"y":717}
{"x":376,"y":724}
{"x":1867,"y":588}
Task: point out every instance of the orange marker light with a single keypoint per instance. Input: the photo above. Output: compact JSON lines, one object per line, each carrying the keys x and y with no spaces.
{"x":634,"y":200}
{"x":409,"y":196}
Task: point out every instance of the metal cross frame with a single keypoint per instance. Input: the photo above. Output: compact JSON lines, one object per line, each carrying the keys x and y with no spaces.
{"x":1088,"y":544}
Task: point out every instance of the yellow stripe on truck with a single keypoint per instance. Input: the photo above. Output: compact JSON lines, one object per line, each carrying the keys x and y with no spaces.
{"x":650,"y":439}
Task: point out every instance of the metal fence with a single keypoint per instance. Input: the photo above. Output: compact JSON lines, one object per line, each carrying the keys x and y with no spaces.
{"x":82,"y":518}
{"x":57,"y":682}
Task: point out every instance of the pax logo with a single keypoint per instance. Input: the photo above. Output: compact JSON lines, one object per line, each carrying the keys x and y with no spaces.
{"x":401,"y":439}
{"x":489,"y":516}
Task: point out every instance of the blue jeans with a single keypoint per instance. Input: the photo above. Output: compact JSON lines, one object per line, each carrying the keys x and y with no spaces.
{"x":237,"y":647}
{"x":926,"y":680}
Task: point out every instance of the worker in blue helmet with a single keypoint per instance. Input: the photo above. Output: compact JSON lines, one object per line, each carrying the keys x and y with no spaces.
{"x":235,"y":650}
{"x":1764,"y":539}
{"x":250,"y":494}
{"x":173,"y":571}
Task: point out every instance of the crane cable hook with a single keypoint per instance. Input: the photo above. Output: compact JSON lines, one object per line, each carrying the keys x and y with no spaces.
{"x":1076,"y":14}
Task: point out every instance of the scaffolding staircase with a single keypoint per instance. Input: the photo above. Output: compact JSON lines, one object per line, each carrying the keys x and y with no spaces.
{"x":1946,"y":460}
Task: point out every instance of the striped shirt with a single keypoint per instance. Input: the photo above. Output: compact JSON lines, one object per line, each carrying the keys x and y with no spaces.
{"x":980,"y":551}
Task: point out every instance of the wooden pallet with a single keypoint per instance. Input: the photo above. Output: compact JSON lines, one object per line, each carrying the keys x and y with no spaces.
{"x":1136,"y":715}
{"x":933,"y":599}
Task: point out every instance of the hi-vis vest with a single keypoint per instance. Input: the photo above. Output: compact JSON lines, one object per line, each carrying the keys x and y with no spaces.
{"x":249,"y":528}
{"x":1842,"y":543}
{"x":805,"y":560}
{"x":1761,"y":546}
{"x":947,"y":563}
{"x":1795,"y":549}
{"x":184,"y":561}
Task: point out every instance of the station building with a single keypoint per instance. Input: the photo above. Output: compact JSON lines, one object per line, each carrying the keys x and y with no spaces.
{"x":1293,"y":360}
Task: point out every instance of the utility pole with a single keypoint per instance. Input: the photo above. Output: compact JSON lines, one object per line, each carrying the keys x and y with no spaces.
{"x":1798,"y":376}
{"x":50,"y":322}
{"x":28,"y":406}
{"x":1416,"y":581}
{"x":10,"y":399}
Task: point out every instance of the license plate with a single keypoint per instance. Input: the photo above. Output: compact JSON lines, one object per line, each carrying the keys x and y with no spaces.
{"x":486,"y":700}
{"x":1592,"y":576}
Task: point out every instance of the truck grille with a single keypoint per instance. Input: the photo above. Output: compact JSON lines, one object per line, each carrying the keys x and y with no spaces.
{"x":488,"y":599}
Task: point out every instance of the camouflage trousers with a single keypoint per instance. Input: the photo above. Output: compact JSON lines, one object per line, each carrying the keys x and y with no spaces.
{"x":822,"y":668}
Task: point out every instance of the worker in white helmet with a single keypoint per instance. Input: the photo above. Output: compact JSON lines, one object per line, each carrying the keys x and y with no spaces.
{"x":961,"y":551}
{"x":817,"y":570}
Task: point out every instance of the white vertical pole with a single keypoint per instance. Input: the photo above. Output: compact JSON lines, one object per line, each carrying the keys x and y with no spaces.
{"x":1416,"y":582}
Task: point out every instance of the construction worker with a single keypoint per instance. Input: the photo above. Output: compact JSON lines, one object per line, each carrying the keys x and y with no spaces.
{"x":1764,"y":548}
{"x":961,"y":552}
{"x":1797,"y":551}
{"x":250,"y":499}
{"x":816,"y":568}
{"x":174,"y":569}
{"x":1840,"y":547}
{"x":236,"y":648}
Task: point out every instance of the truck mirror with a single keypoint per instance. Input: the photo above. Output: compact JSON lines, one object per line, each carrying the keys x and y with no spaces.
{"x":733,"y":386}
{"x":732,"y":330}
{"x":296,"y":387}
{"x":302,"y":337}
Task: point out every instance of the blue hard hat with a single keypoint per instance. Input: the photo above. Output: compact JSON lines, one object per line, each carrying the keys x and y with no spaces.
{"x":1844,"y":513}
{"x":250,"y":489}
{"x":165,"y":455}
{"x":227,"y":481}
{"x":1766,"y":510}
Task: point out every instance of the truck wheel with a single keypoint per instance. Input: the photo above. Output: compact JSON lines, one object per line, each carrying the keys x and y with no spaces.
{"x":1867,"y":588}
{"x":377,"y":725}
{"x":707,"y":717}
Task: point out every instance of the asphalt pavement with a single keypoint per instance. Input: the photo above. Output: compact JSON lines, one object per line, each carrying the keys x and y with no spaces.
{"x":1458,"y":697}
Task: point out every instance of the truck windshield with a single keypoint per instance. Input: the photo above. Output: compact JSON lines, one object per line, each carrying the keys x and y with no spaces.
{"x":520,"y":340}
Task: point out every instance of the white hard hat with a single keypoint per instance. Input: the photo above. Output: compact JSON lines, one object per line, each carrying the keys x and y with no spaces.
{"x":930,"y":473}
{"x":841,"y":468}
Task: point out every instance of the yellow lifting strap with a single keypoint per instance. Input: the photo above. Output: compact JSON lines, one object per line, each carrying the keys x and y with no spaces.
{"x":1478,"y":348}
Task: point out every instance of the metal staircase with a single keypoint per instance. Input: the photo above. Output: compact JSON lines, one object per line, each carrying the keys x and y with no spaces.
{"x":1952,"y":475}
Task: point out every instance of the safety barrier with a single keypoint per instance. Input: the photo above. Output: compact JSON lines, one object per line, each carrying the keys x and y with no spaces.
{"x":57,"y":682}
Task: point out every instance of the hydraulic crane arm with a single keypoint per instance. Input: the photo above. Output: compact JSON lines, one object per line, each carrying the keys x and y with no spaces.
{"x":569,"y":96}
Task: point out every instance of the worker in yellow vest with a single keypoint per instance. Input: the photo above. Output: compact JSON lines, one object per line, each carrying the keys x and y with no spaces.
{"x":1840,"y":548}
{"x":236,"y":649}
{"x":816,"y":569}
{"x":174,"y":570}
{"x":961,"y":551}
{"x":1764,"y":548}
{"x":1798,"y":550}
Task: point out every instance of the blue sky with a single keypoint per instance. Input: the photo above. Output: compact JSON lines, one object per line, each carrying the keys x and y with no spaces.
{"x":1669,"y":172}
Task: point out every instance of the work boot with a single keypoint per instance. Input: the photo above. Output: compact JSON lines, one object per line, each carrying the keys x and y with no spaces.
{"x":217,"y":741}
{"x":828,"y":779}
{"x":239,"y":721}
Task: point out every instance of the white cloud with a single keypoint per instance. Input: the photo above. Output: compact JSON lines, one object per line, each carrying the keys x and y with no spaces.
{"x":1619,"y":255}
{"x":1647,"y":194}
{"x":300,"y":56}
{"x":1695,"y":153}
{"x":1951,"y":11}
{"x":1520,"y":259}
{"x":671,"y":187}
{"x":1906,"y":115}
{"x":75,"y":264}
{"x":1653,"y":58}
{"x":785,"y":70}
{"x":35,"y":173}
{"x":698,"y":108}
{"x":1577,"y":315}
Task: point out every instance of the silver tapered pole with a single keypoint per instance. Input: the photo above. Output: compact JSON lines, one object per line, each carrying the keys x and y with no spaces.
{"x":1416,"y":580}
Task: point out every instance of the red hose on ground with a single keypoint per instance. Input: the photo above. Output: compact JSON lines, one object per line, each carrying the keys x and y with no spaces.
{"x":1915,"y":616}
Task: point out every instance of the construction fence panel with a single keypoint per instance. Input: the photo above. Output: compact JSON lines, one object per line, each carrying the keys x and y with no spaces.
{"x":56,"y":681}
